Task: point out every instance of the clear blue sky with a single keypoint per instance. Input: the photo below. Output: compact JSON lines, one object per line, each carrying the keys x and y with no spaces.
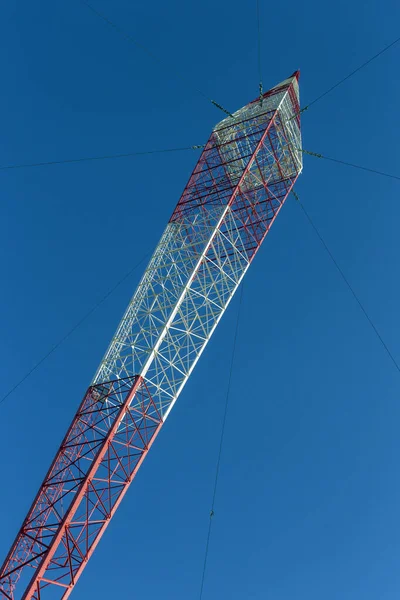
{"x":309,"y":487}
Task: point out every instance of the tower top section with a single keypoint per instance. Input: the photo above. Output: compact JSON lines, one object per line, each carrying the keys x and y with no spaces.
{"x":272,"y":100}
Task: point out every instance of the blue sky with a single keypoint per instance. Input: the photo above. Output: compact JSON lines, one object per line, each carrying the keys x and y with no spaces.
{"x":308,"y":497}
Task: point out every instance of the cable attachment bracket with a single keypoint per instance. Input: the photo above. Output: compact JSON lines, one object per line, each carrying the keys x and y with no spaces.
{"x":222,"y":108}
{"x":260,"y":86}
{"x":312,"y":153}
{"x":298,"y":113}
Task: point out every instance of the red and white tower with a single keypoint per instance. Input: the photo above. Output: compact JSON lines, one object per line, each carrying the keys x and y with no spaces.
{"x":244,"y":175}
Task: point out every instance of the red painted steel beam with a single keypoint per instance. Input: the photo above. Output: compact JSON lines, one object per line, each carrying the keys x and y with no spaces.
{"x":100,"y":455}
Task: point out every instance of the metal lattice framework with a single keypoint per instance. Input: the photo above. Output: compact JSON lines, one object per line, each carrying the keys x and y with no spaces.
{"x":241,"y":181}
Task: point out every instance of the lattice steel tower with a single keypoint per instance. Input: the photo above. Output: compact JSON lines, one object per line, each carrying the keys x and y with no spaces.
{"x":243,"y":177}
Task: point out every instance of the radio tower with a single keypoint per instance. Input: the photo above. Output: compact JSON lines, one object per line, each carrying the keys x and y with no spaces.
{"x":244,"y":175}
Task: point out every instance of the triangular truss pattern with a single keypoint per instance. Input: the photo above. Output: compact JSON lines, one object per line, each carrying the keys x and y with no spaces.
{"x":237,"y":188}
{"x":106,"y":442}
{"x":243,"y":177}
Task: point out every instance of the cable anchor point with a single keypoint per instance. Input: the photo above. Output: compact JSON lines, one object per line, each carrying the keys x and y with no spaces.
{"x":222,"y":108}
{"x":312,"y":153}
